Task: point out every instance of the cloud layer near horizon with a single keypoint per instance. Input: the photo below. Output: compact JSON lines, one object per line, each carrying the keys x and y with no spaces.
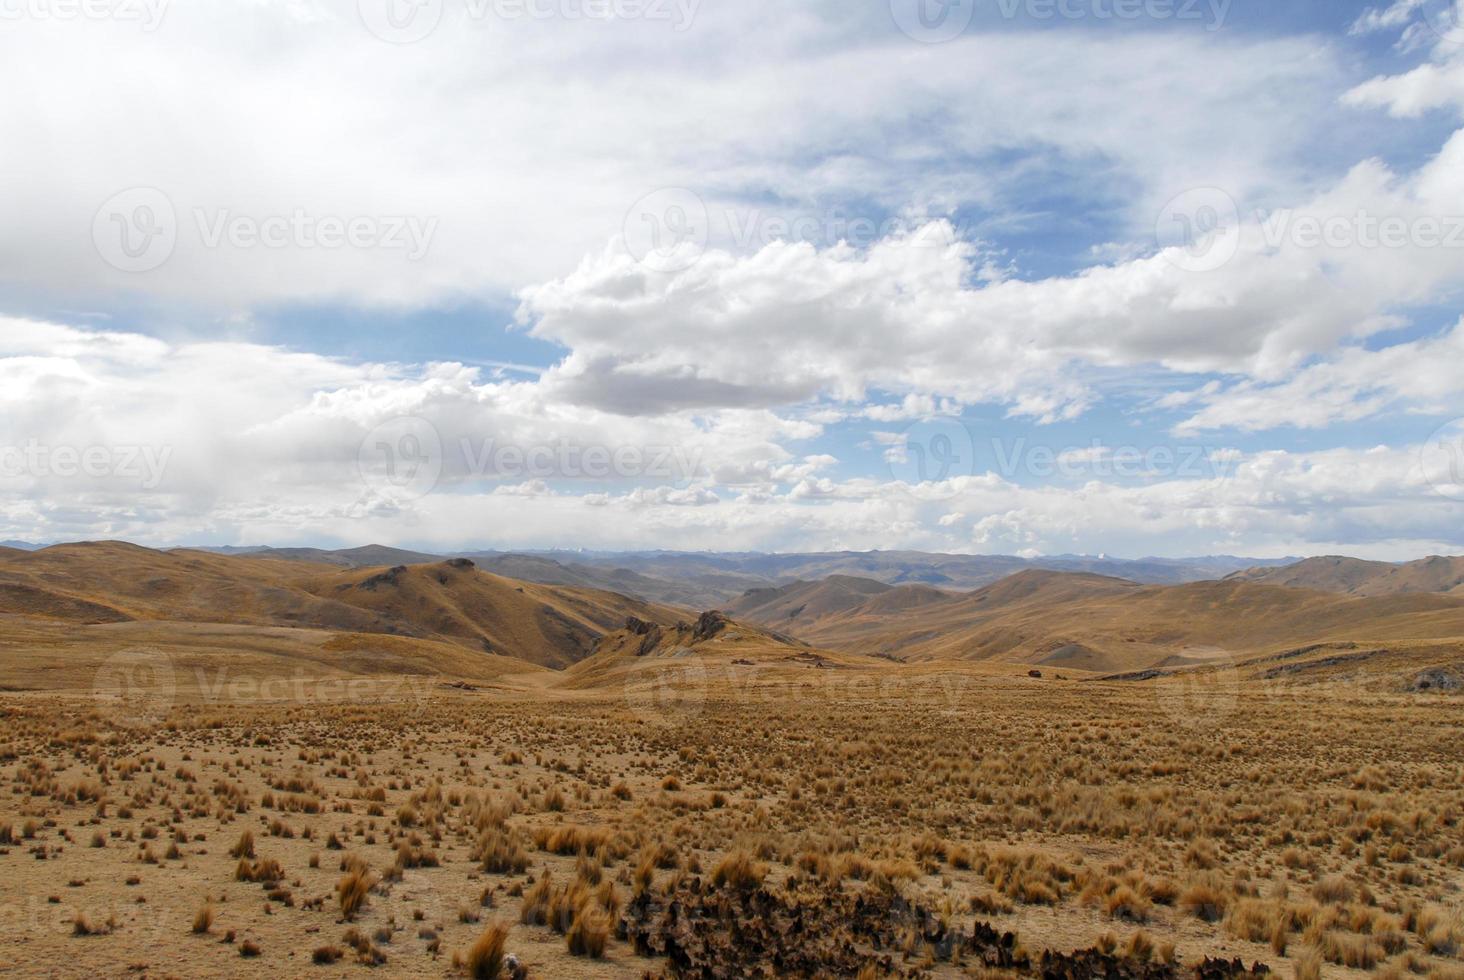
{"x":300,"y":449}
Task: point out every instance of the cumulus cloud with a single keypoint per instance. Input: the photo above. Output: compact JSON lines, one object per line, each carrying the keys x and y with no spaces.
{"x":1354,"y":384}
{"x":258,"y":463}
{"x":1429,"y":87}
{"x":523,"y":144}
{"x":906,"y":315}
{"x":1438,"y":26}
{"x":169,"y":429}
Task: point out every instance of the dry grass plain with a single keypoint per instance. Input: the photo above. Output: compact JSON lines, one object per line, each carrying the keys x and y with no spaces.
{"x":726,"y":814}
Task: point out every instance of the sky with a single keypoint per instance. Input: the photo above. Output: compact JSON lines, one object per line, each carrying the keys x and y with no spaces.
{"x":1123,"y":277}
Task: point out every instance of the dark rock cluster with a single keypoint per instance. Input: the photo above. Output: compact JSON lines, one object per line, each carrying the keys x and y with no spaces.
{"x":729,"y":933}
{"x":708,"y":625}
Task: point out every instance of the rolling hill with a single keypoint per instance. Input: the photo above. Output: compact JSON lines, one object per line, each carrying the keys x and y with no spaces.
{"x":1353,"y":576}
{"x":100,"y":583}
{"x":1095,"y":623}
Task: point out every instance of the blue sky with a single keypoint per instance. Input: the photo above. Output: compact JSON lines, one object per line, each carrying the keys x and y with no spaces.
{"x":815,"y":276}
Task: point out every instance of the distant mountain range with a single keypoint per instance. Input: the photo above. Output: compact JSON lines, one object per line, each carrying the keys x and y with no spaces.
{"x":377,"y":610}
{"x":704,"y":580}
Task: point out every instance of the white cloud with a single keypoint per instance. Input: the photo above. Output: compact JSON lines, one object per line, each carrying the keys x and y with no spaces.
{"x":793,"y":322}
{"x":1429,"y":87}
{"x":528,"y":141}
{"x":1437,"y":84}
{"x":1401,"y":13}
{"x":279,"y":459}
{"x":1354,"y":384}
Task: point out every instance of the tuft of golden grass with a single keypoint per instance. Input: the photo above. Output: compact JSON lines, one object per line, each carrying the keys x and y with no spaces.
{"x":588,"y":933}
{"x":535,"y":908}
{"x":351,"y":891}
{"x":244,"y":846}
{"x":484,"y":959}
{"x":739,"y":870}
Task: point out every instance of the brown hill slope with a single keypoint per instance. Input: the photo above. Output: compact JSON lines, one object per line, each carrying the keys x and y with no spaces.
{"x":227,"y":663}
{"x":914,"y":620}
{"x":1093,"y":623}
{"x":805,"y":602}
{"x":191,"y":586}
{"x":1353,"y":576}
{"x":547,"y":625}
{"x":449,"y":601}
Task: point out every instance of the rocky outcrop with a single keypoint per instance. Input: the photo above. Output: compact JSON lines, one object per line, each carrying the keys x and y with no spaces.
{"x":389,"y":577}
{"x":1437,"y":679}
{"x":729,"y":932}
{"x":650,"y":634}
{"x":708,"y":625}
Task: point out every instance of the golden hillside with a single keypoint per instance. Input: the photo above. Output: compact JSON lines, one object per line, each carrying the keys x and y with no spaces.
{"x":1094,"y":623}
{"x":121,"y":585}
{"x":1354,"y":576}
